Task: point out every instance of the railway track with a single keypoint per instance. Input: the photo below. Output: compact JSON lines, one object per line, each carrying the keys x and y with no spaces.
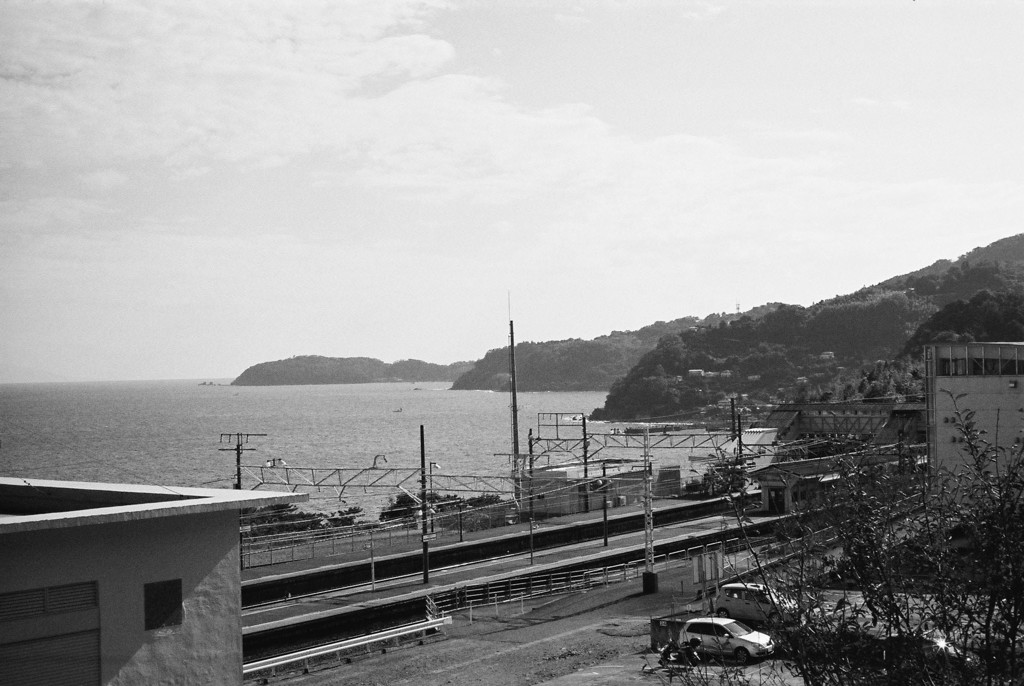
{"x":282,"y":587}
{"x":348,"y":612}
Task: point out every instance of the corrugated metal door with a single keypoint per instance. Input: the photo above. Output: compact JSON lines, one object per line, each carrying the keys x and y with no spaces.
{"x":65,"y":660}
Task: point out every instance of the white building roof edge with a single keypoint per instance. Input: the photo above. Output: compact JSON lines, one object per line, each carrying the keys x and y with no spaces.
{"x":183,"y":501}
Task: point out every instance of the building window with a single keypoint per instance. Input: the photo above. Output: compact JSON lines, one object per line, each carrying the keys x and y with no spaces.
{"x":163,"y":604}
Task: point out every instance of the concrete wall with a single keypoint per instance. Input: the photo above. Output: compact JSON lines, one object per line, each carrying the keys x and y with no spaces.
{"x":996,"y":402}
{"x":200,"y":549}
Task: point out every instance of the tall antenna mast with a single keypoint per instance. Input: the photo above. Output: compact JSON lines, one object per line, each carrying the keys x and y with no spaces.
{"x":512,"y":386}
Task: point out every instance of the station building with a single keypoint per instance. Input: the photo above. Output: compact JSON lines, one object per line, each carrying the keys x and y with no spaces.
{"x":785,"y":486}
{"x":562,"y":489}
{"x":121,"y":584}
{"x":812,"y":437}
{"x":985,"y":378}
{"x":873,"y":423}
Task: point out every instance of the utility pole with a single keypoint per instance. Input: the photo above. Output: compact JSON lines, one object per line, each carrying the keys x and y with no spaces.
{"x":240,"y":440}
{"x":430,"y":494}
{"x":740,"y":469}
{"x":586,"y":500}
{"x":373,"y":566}
{"x":512,"y":387}
{"x":424,"y":507}
{"x":461,"y":503}
{"x":737,"y":467}
{"x":650,"y":579}
{"x":732,"y":416}
{"x":529,"y":443}
{"x":604,"y":498}
{"x":529,"y":439}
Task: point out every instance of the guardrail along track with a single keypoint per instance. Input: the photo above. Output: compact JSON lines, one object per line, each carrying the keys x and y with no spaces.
{"x":305,"y":657}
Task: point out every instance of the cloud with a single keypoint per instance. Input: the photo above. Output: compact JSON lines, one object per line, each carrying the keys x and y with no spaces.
{"x":47,"y":212}
{"x":230,"y":80}
{"x":355,"y":85}
{"x":104,"y":179}
{"x":576,"y":20}
{"x":456,"y":137}
{"x":700,"y":11}
{"x":873,"y":103}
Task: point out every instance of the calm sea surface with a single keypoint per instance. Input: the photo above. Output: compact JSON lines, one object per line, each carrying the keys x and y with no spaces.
{"x":167,"y":432}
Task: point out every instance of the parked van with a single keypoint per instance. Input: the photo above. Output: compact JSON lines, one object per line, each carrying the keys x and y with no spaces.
{"x":750,"y":602}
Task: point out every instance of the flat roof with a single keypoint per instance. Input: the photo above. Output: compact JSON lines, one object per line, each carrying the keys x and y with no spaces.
{"x":37,"y":504}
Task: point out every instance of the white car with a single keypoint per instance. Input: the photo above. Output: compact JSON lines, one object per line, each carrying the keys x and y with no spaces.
{"x":751,"y":602}
{"x":727,"y":638}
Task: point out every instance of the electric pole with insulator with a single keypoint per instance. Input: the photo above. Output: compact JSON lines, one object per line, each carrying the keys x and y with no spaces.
{"x":240,"y":440}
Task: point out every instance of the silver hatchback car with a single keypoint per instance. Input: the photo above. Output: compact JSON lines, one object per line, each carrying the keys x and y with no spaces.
{"x":727,"y":638}
{"x":751,"y":602}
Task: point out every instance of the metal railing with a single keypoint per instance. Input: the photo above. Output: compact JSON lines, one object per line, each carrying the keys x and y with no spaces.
{"x":305,"y":656}
{"x":736,"y":562}
{"x":534,"y":585}
{"x":287,"y":547}
{"x":260,"y":550}
{"x":525,"y":587}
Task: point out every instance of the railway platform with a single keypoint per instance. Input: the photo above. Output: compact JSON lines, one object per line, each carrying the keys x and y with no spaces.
{"x":411,"y":591}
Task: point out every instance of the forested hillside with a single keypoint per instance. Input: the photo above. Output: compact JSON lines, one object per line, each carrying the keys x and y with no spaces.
{"x":787,"y":351}
{"x":578,"y":365}
{"x":859,"y":345}
{"x":841,"y":347}
{"x":986,"y":316}
{"x":859,"y":329}
{"x":996,"y":267}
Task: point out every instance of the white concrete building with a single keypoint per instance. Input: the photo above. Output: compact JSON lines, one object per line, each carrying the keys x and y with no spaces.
{"x":121,"y":584}
{"x":562,"y":489}
{"x":987,"y":378}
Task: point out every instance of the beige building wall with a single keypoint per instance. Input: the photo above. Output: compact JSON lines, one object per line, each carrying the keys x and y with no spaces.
{"x":121,"y":583}
{"x":121,"y":557}
{"x":986,"y":378}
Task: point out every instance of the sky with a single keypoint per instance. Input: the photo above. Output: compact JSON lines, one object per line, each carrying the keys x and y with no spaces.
{"x":191,"y":188}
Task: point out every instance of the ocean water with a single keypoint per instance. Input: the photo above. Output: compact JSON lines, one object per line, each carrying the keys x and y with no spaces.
{"x":167,"y":432}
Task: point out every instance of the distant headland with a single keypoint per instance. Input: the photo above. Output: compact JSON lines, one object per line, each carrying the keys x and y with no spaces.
{"x":316,"y":369}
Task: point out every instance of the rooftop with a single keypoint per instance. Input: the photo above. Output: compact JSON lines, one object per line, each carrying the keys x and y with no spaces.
{"x":38,"y":504}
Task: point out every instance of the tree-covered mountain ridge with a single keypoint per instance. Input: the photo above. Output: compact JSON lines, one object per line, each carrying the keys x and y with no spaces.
{"x":573,"y":364}
{"x":315,"y":369}
{"x":582,"y":365}
{"x":860,"y":345}
{"x":774,"y":348}
{"x":1007,"y":253}
{"x":763,"y":349}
